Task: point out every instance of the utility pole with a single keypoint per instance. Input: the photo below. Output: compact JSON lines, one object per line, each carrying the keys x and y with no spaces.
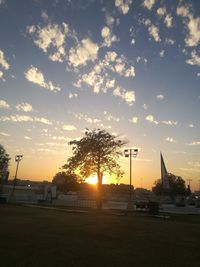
{"x":131,"y":152}
{"x":189,"y":180}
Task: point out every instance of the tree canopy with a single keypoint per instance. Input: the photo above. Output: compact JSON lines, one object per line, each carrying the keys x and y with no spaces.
{"x":66,"y":182}
{"x":95,"y":153}
{"x":4,"y":162}
{"x":176,"y":186}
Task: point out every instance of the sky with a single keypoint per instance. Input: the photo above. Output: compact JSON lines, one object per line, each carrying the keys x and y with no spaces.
{"x":127,"y":66}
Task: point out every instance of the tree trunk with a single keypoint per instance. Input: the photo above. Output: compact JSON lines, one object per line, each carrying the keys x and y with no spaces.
{"x":99,"y":199}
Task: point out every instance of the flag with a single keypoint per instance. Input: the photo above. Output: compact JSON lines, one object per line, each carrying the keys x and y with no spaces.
{"x":164,"y":175}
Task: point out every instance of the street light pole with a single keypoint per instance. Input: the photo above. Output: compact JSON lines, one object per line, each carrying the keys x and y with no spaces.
{"x":131,"y":152}
{"x":18,"y":158}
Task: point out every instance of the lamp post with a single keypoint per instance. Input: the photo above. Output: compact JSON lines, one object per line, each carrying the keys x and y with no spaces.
{"x":18,"y":158}
{"x":129,"y":153}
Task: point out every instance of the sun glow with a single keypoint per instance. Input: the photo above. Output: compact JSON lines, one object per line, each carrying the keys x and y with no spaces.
{"x":93,"y":180}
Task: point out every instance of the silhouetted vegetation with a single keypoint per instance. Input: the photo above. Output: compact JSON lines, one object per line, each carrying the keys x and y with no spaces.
{"x":177,"y":186}
{"x":66,"y":182}
{"x":95,"y":153}
{"x":4,"y":162}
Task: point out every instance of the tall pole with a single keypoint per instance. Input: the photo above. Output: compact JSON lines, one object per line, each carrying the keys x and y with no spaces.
{"x":18,"y":158}
{"x":130,"y":196}
{"x":130,"y":153}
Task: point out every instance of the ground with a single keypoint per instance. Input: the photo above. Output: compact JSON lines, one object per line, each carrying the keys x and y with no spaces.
{"x":38,"y":237}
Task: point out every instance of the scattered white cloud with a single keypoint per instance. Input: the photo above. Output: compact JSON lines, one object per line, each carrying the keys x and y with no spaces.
{"x":194,"y":143}
{"x":72,"y":95}
{"x":198,"y":74}
{"x":169,"y":41}
{"x":151,"y":119}
{"x":4,"y":134}
{"x":1,"y":74}
{"x":161,"y":11}
{"x":24,"y":107}
{"x":134,"y":120}
{"x":36,"y":76}
{"x":110,"y":20}
{"x":69,"y":127}
{"x":110,"y":117}
{"x":127,"y":96}
{"x":123,"y":5}
{"x":4,"y":104}
{"x":27,"y":137}
{"x":145,"y":106}
{"x":3,"y":61}
{"x":85,"y":51}
{"x":170,"y":122}
{"x":25,"y":118}
{"x":160,"y":97}
{"x":191,"y":125}
{"x":51,"y":37}
{"x":168,"y":20}
{"x":85,"y":117}
{"x":170,"y":139}
{"x":192,"y":25}
{"x":149,"y":4}
{"x":141,"y":59}
{"x":194,"y":60}
{"x":153,"y":30}
{"x":2,"y":2}
{"x":162,"y":53}
{"x":108,"y":36}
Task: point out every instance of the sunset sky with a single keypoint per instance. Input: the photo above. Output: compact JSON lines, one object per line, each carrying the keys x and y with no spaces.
{"x":127,"y":66}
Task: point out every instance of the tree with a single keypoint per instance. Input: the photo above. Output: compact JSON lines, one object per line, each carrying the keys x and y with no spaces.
{"x":176,"y":186}
{"x":95,"y":153}
{"x":66,"y":182}
{"x":4,"y":162}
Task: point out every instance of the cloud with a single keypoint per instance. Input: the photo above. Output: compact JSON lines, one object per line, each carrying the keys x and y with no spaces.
{"x":160,"y":97}
{"x":36,"y":76}
{"x":150,"y":118}
{"x":168,"y":20}
{"x":169,"y":41}
{"x":81,"y":116}
{"x":1,"y":74}
{"x":134,"y":119}
{"x":191,"y":125}
{"x":170,"y":122}
{"x":153,"y":30}
{"x":72,"y":95}
{"x":4,"y":104}
{"x":51,"y":38}
{"x":3,"y":61}
{"x":24,"y":107}
{"x":108,"y":37}
{"x":25,"y":118}
{"x":162,"y":53}
{"x":192,"y":25}
{"x":161,"y":11}
{"x":110,"y":117}
{"x":127,"y":96}
{"x":4,"y":134}
{"x":69,"y":127}
{"x":194,"y":143}
{"x":194,"y":60}
{"x":149,"y":4}
{"x":170,"y":139}
{"x":27,"y":137}
{"x":85,"y":51}
{"x":123,"y":5}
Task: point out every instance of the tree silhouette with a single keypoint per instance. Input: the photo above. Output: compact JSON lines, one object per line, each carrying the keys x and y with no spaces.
{"x":95,"y":153}
{"x":176,"y":186}
{"x":66,"y":182}
{"x":4,"y":162}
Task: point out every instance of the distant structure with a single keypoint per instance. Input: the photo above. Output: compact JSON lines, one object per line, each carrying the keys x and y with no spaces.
{"x":164,"y":175}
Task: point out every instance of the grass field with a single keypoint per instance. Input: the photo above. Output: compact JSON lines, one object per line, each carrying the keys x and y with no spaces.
{"x":38,"y":237}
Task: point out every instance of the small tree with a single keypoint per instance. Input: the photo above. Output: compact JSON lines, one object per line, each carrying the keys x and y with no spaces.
{"x":4,"y":162}
{"x":66,"y":182}
{"x":176,"y":186}
{"x":96,"y":152}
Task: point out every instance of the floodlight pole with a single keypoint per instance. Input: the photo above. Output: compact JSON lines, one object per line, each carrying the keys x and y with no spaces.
{"x":18,"y":158}
{"x":131,"y":152}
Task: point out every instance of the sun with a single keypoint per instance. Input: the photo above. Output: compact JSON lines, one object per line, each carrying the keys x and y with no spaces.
{"x":93,"y":180}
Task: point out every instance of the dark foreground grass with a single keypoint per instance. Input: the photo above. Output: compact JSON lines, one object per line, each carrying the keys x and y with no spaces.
{"x":37,"y":237}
